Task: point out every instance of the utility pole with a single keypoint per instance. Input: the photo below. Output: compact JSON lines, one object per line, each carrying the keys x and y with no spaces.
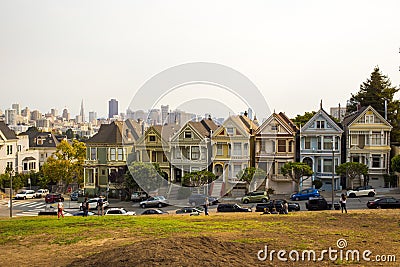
{"x":333,"y":170}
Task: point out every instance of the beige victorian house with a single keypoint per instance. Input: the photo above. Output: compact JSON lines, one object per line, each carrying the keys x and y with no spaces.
{"x":275,"y":144}
{"x":367,"y":140}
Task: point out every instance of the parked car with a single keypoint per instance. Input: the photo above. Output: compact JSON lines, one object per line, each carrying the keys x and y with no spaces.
{"x":384,"y":203}
{"x":41,"y":193}
{"x":320,"y":203}
{"x":74,"y":196}
{"x":157,"y":201}
{"x":256,"y":196}
{"x":24,"y":194}
{"x":119,"y":211}
{"x":361,"y":191}
{"x":232,"y":208}
{"x":93,"y":203}
{"x":305,"y":194}
{"x":200,"y":199}
{"x":189,"y":210}
{"x":278,"y":204}
{"x":139,"y":196}
{"x":154,"y":212}
{"x":52,"y":198}
{"x":80,"y":213}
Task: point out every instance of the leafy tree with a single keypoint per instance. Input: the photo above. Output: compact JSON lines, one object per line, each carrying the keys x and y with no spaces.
{"x":352,"y":170}
{"x":162,"y":173}
{"x":374,"y":92}
{"x":300,"y":120}
{"x":395,"y":163}
{"x":145,"y":175}
{"x":317,"y":184}
{"x":298,"y":171}
{"x":198,"y":178}
{"x":66,"y":165}
{"x":69,"y":133}
{"x":251,"y":175}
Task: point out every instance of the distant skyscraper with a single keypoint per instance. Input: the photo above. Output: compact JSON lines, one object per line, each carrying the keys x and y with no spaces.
{"x":54,"y":112}
{"x":65,"y":114}
{"x":82,"y":113}
{"x":250,"y":113}
{"x":36,"y":115}
{"x":26,"y":113}
{"x":17,"y":108}
{"x":92,"y":116}
{"x":112,"y":108}
{"x":164,"y":114}
{"x":11,"y":116}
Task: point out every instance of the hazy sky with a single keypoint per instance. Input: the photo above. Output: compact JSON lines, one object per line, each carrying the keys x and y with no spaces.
{"x":56,"y":53}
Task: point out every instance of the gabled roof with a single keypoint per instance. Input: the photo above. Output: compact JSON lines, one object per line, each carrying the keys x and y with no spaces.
{"x":116,"y":133}
{"x":203,"y":128}
{"x":326,"y":116}
{"x":48,"y":138}
{"x":165,"y":132}
{"x":283,"y":120}
{"x":7,"y":132}
{"x":245,"y":125}
{"x":353,"y":117}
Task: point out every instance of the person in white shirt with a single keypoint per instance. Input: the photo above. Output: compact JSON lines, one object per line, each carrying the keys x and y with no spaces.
{"x":60,"y":207}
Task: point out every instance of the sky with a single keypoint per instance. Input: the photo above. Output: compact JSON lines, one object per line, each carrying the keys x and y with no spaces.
{"x":54,"y":54}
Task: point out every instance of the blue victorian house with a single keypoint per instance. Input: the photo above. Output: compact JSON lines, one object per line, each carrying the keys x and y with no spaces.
{"x":320,"y":148}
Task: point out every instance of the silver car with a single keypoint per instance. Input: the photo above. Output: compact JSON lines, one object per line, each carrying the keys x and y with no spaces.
{"x":157,"y":201}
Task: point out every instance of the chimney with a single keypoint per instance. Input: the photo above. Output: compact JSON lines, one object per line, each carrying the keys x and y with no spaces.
{"x":245,"y":113}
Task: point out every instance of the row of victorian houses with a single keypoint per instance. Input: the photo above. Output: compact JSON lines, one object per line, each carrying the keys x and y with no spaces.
{"x":241,"y":142}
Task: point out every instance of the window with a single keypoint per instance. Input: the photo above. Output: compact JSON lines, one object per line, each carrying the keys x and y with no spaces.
{"x":307,"y":142}
{"x":10,"y":165}
{"x":93,"y":153}
{"x":237,"y":149}
{"x":178,"y":154}
{"x":290,"y":148}
{"x":376,"y":138}
{"x":236,"y":169}
{"x":90,"y":174}
{"x":164,"y":158}
{"x":327,"y":165}
{"x":281,"y":145}
{"x":320,"y":124}
{"x":219,"y":149}
{"x":354,"y":140}
{"x":195,"y":152}
{"x":319,"y":142}
{"x":246,"y":149}
{"x":32,"y":165}
{"x":9,"y":150}
{"x":152,"y":138}
{"x":120,"y":154}
{"x":376,"y":161}
{"x":262,"y":145}
{"x":153,"y":156}
{"x":369,"y":118}
{"x":280,"y":165}
{"x":229,"y":130}
{"x":188,"y":134}
{"x":19,"y":148}
{"x":328,"y":143}
{"x":112,"y":153}
{"x":25,"y":166}
{"x":274,"y":127}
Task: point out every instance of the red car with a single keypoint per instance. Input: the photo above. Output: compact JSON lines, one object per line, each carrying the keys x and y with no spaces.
{"x":52,"y":198}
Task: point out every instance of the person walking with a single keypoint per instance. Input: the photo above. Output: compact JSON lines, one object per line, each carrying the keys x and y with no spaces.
{"x":285,"y":207}
{"x":206,"y":204}
{"x":100,"y":208}
{"x":85,"y":207}
{"x":343,"y":202}
{"x":60,"y":207}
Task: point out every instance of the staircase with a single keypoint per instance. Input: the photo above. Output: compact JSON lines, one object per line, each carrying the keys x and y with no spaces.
{"x":216,"y":189}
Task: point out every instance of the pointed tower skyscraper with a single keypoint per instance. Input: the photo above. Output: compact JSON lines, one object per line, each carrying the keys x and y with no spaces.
{"x":82,"y":114}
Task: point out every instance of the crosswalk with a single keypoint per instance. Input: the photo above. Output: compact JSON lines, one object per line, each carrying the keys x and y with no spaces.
{"x":31,"y":208}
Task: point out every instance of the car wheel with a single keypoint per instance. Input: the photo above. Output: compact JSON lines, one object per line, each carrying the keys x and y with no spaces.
{"x":143,"y":206}
{"x":264,"y":200}
{"x":378,"y":207}
{"x":160,"y":205}
{"x":246,"y":201}
{"x":193,"y":204}
{"x":371,"y":194}
{"x":24,"y":198}
{"x":297,"y":198}
{"x":352,"y":195}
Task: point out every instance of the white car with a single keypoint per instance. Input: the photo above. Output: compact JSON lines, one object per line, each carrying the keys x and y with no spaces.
{"x":93,"y":203}
{"x":24,"y":194}
{"x":119,"y":211}
{"x":362,"y":191}
{"x":41,"y":193}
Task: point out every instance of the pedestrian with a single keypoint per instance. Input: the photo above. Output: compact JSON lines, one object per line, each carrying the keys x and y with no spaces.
{"x":85,"y":207}
{"x":206,"y":204}
{"x":100,"y":208}
{"x":285,"y":207}
{"x":60,"y":208}
{"x":343,"y":202}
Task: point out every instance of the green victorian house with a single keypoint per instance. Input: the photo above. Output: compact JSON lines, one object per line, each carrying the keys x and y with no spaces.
{"x":106,"y":157}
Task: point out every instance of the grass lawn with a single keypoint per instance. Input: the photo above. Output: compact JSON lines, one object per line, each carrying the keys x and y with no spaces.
{"x":215,"y":240}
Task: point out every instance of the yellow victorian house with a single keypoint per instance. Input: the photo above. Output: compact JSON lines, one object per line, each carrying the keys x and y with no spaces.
{"x":367,"y":140}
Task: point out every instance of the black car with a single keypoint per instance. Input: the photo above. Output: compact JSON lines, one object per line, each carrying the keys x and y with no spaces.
{"x":320,"y":203}
{"x":278,"y":204}
{"x":384,"y":203}
{"x":231,"y":208}
{"x":154,"y":212}
{"x":200,"y":199}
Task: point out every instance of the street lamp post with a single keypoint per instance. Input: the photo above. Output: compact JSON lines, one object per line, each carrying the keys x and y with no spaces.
{"x":11,"y":190}
{"x":333,"y":170}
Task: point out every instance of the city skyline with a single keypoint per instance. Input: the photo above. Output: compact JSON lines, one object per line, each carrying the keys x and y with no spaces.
{"x":65,"y":51}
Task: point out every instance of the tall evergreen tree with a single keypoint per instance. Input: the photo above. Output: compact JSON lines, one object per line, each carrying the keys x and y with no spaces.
{"x":374,"y":92}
